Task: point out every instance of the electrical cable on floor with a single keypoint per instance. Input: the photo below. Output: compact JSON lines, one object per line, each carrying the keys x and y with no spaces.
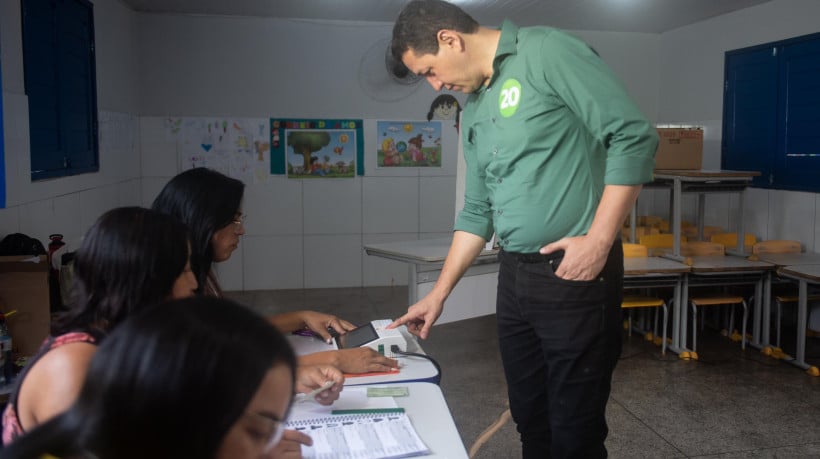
{"x":489,"y":432}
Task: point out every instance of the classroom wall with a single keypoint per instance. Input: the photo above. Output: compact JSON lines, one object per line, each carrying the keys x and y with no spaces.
{"x":299,"y":233}
{"x":309,"y":233}
{"x":150,"y":67}
{"x":70,"y":205}
{"x":691,"y":82}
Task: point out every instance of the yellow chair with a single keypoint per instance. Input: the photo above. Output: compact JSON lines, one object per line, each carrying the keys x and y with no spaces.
{"x":708,"y":231}
{"x":701,"y":248}
{"x":626,"y":232}
{"x":659,"y":243}
{"x":714,"y":249}
{"x":777,"y":246}
{"x":649,"y":220}
{"x":644,"y":301}
{"x":692,"y":231}
{"x":729,"y":240}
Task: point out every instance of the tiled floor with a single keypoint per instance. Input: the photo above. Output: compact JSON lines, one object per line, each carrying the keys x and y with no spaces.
{"x":729,"y":404}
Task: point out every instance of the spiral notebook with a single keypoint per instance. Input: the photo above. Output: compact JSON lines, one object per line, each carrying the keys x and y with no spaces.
{"x":370,"y":428}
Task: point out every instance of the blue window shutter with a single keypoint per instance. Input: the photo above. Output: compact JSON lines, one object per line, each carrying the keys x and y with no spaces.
{"x":2,"y":150}
{"x":60,"y":78}
{"x":797,"y":163}
{"x":750,"y":112}
{"x":771,"y":113}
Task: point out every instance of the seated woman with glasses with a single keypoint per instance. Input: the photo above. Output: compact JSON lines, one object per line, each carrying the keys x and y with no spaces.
{"x":210,"y":204}
{"x":130,"y":258}
{"x":195,"y":378}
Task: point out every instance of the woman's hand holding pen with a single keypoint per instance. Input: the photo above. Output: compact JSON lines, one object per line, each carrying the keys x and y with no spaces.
{"x":325,"y":377}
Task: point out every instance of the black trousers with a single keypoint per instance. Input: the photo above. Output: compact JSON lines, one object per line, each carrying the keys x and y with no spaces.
{"x":560,"y":341}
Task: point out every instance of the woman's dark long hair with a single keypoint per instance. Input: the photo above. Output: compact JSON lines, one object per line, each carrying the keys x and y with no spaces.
{"x":168,"y":383}
{"x":206,"y":201}
{"x":130,"y":258}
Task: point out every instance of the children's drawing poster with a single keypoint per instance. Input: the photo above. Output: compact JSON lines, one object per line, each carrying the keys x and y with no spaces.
{"x":408,"y":144}
{"x":236,"y":147}
{"x":315,"y":148}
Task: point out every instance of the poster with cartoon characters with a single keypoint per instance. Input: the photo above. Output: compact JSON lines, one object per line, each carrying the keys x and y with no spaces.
{"x":237,"y":147}
{"x":316,"y":148}
{"x":408,"y":144}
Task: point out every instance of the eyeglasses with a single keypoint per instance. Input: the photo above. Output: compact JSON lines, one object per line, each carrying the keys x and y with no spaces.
{"x":266,"y":428}
{"x":239,"y":220}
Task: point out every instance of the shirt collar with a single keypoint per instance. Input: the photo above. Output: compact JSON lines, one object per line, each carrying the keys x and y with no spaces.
{"x":507,"y":45}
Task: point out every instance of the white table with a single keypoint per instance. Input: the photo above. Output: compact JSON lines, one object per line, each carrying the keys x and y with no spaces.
{"x":473,"y":296}
{"x":804,"y":275}
{"x":779,"y":260}
{"x":429,"y":414}
{"x":411,"y":368}
{"x":726,"y":270}
{"x":650,"y":272}
{"x":702,"y":182}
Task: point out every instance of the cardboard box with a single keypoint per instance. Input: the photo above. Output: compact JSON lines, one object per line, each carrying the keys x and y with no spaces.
{"x":24,"y":287}
{"x":679,"y":148}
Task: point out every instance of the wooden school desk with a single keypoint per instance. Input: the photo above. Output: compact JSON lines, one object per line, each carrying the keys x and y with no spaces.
{"x":473,"y":296}
{"x":725,"y":270}
{"x":651,"y":272}
{"x":804,"y":275}
{"x":779,"y":260}
{"x":702,"y":182}
{"x":411,"y":368}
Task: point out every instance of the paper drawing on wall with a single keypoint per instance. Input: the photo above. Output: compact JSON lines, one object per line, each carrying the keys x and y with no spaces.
{"x":409,"y":144}
{"x":173,"y":124}
{"x":445,"y":107}
{"x":236,"y":147}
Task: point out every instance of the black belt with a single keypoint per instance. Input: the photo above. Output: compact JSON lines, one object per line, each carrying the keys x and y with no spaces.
{"x":533,"y":257}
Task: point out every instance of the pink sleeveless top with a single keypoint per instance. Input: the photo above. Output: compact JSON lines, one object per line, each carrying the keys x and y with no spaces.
{"x":11,"y":422}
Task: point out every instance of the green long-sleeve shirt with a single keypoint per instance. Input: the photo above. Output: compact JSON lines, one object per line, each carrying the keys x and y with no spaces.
{"x":543,"y":138}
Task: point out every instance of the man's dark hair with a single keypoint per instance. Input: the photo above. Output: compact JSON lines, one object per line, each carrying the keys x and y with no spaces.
{"x":418,"y":24}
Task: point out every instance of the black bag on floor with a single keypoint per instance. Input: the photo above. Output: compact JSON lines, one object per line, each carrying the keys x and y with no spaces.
{"x":20,"y":244}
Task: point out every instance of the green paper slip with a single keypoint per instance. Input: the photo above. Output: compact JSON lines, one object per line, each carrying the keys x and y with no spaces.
{"x":388,"y":391}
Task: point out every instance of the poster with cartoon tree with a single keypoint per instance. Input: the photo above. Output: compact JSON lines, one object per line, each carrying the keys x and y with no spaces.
{"x":408,"y":144}
{"x":316,"y":148}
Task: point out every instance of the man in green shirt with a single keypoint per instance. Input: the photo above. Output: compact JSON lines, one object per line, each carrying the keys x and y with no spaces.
{"x":556,"y":153}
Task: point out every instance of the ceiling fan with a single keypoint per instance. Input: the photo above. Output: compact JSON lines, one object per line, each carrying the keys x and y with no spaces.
{"x":383,"y":78}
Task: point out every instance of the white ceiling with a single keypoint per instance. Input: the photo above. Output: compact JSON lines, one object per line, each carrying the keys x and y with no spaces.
{"x":649,"y":16}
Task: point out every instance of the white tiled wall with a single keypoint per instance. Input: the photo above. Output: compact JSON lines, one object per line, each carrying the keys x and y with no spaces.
{"x":333,"y":260}
{"x":270,"y":262}
{"x":791,"y":216}
{"x":391,"y":204}
{"x":332,"y":206}
{"x":309,"y":233}
{"x":70,"y":205}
